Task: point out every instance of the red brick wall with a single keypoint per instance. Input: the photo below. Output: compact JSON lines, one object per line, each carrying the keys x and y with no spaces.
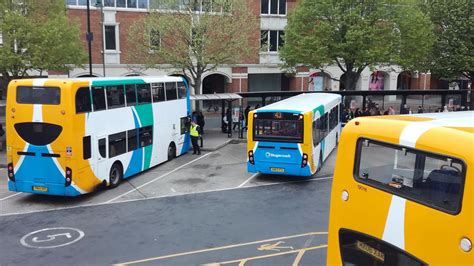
{"x":80,"y":16}
{"x":126,"y":19}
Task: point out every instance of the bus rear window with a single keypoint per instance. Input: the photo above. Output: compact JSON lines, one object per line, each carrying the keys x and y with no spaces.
{"x":281,"y":127}
{"x":38,"y":95}
{"x":430,"y":179}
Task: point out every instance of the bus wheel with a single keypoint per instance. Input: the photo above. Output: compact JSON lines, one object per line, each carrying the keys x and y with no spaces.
{"x":115,"y":176}
{"x":171,"y":152}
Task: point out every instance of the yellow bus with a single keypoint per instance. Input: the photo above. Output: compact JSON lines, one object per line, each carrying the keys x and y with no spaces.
{"x":68,"y":137}
{"x":402,"y":192}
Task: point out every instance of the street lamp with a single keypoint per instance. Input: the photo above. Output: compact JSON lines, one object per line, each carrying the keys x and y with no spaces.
{"x":99,"y":3}
{"x":89,"y":37}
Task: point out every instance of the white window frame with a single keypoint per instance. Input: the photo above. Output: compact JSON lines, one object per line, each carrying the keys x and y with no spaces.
{"x":268,"y":41}
{"x":278,"y":8}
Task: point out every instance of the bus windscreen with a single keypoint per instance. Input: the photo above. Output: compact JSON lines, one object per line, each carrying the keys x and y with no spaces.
{"x":38,"y":95}
{"x":278,"y":126}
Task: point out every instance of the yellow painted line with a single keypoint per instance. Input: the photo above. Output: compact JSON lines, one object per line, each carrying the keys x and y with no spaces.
{"x":298,"y":258}
{"x":272,"y":255}
{"x":217,"y":248}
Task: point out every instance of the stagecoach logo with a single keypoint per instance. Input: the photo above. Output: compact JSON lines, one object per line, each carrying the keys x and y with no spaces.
{"x":272,"y":155}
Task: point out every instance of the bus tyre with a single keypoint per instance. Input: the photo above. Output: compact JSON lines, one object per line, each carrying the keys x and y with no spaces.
{"x":171,"y":152}
{"x":115,"y":176}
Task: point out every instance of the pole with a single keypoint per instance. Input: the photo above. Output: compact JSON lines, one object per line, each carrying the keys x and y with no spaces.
{"x":103,"y":42}
{"x":89,"y":37}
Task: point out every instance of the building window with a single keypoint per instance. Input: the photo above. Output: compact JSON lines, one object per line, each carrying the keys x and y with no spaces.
{"x":273,"y":7}
{"x":110,"y":38}
{"x":120,"y":3}
{"x":155,"y":40}
{"x":271,"y":40}
{"x":132,"y":3}
{"x":109,"y":3}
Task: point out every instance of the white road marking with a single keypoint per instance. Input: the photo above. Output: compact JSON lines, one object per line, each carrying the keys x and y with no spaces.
{"x":11,"y":196}
{"x":169,"y":196}
{"x":250,"y":178}
{"x":161,"y":176}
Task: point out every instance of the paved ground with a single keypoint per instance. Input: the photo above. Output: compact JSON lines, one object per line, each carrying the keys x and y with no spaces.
{"x":255,"y":224}
{"x":190,"y":211}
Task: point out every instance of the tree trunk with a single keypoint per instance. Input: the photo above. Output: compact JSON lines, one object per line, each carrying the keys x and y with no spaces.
{"x":350,"y":80}
{"x":197,"y":90}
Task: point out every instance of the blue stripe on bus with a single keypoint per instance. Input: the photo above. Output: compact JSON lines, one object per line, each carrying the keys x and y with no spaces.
{"x":135,"y":164}
{"x":187,"y":138}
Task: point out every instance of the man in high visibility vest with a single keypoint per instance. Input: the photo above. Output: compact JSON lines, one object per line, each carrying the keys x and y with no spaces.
{"x":194,"y":132}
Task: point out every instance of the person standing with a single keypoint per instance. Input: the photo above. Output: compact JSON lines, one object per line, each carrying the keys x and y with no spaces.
{"x":200,"y":121}
{"x":194,"y":132}
{"x":246,"y":112}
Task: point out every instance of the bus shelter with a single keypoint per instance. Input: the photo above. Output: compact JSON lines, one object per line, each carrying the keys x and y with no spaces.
{"x":226,"y":100}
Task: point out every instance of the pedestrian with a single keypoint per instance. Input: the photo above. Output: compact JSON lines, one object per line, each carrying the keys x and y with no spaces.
{"x":257,"y":106}
{"x":194,"y":132}
{"x":247,"y":111}
{"x":200,"y":121}
{"x":445,"y":109}
{"x":420,"y":110}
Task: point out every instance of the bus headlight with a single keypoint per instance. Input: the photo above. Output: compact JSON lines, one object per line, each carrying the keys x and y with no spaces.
{"x":465,"y":244}
{"x":345,"y":195}
{"x":68,"y":177}
{"x":11,"y":174}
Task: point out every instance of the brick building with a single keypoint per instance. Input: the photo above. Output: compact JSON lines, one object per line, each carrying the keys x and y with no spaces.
{"x":261,"y":72}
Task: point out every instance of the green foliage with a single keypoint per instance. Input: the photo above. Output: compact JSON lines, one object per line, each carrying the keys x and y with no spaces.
{"x":37,"y":35}
{"x":192,"y":40}
{"x":357,"y":34}
{"x":454,"y":29}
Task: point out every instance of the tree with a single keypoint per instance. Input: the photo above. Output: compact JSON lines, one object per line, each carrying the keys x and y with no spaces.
{"x":195,"y":40}
{"x":357,"y":34}
{"x":37,"y":36}
{"x":452,"y":54}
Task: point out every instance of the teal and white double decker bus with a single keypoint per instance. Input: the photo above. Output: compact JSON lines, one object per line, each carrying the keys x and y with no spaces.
{"x":70,"y":136}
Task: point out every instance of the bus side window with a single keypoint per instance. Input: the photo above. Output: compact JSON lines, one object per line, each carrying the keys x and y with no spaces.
{"x":158,"y":92}
{"x":131,"y":94}
{"x":115,"y":97}
{"x":145,"y":135}
{"x":315,"y":133}
{"x":102,"y":148}
{"x":117,"y":144}
{"x":83,"y":100}
{"x":181,"y":90}
{"x":143,"y":93}
{"x":132,"y":140}
{"x":98,"y":98}
{"x":86,"y":147}
{"x":171,"y":91}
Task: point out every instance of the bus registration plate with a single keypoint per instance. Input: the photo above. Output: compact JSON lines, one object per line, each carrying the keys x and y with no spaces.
{"x":38,"y":188}
{"x":278,"y":170}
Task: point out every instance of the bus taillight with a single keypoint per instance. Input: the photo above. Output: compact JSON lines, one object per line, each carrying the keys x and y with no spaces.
{"x":304,"y":162}
{"x":251,"y":160}
{"x":11,"y":174}
{"x":68,"y":177}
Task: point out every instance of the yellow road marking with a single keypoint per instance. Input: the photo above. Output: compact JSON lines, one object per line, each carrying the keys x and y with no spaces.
{"x":271,"y":255}
{"x":217,"y":248}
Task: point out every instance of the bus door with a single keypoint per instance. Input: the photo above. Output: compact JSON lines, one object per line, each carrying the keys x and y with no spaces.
{"x":101,"y":154}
